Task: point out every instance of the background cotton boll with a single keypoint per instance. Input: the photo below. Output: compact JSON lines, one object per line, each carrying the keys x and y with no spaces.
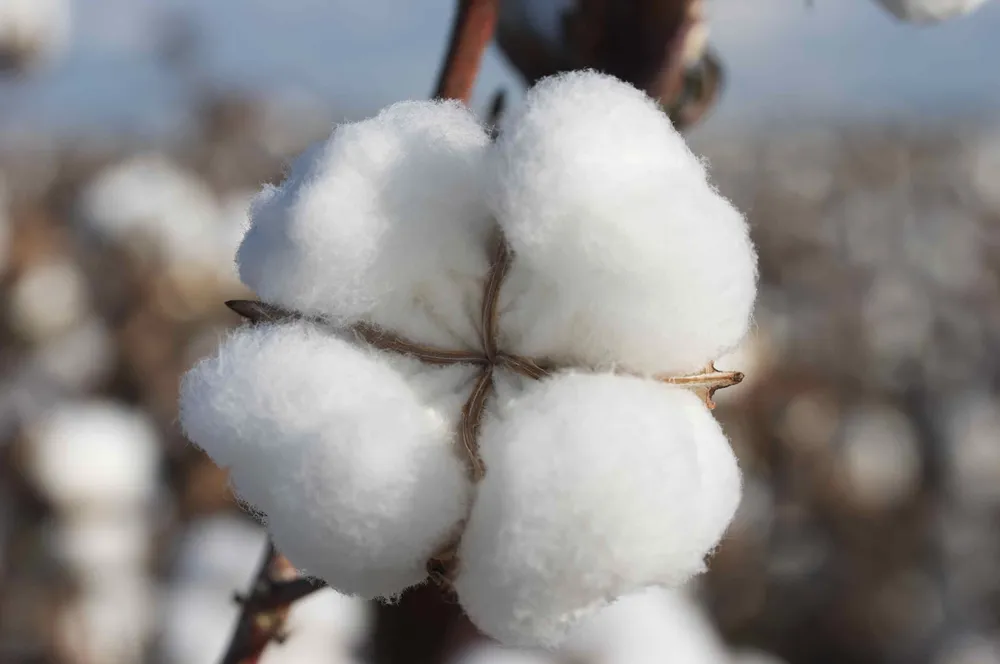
{"x":378,"y":223}
{"x":221,"y":551}
{"x":32,"y":31}
{"x":494,"y":654}
{"x":110,"y":624}
{"x":595,"y":488}
{"x":47,"y":299}
{"x":649,"y":627}
{"x":95,"y":455}
{"x":357,"y":476}
{"x":625,"y":254}
{"x":149,"y":199}
{"x":79,"y":358}
{"x":324,"y":628}
{"x":930,"y":11}
{"x":879,"y":456}
{"x":196,"y":624}
{"x":99,"y":548}
{"x":972,"y":424}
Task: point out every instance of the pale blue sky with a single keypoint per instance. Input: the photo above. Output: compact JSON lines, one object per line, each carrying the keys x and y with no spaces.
{"x":784,"y":59}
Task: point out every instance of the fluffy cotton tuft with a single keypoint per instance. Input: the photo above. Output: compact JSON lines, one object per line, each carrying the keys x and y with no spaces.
{"x":384,"y":222}
{"x":930,"y":11}
{"x":596,"y":486}
{"x":649,"y":627}
{"x":354,"y":467}
{"x":32,"y":32}
{"x":95,"y":456}
{"x":625,"y":253}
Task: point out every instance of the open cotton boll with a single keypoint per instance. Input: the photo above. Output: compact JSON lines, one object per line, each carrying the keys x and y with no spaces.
{"x":32,"y":31}
{"x":624,"y":253}
{"x":652,"y":626}
{"x":110,"y":624}
{"x":354,"y":468}
{"x":325,"y":627}
{"x":596,"y":486}
{"x":150,"y":198}
{"x":384,"y":222}
{"x":95,"y":455}
{"x":930,"y":11}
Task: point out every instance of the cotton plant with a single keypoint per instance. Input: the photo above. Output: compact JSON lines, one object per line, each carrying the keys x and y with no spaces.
{"x":488,"y":363}
{"x":930,"y":11}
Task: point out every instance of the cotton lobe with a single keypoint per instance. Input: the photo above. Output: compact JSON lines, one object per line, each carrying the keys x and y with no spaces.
{"x":626,"y":263}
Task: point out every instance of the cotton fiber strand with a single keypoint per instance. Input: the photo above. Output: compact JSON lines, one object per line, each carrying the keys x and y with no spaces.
{"x":384,"y":222}
{"x":597,"y":486}
{"x":930,"y":11}
{"x":626,"y":255}
{"x":354,"y":468}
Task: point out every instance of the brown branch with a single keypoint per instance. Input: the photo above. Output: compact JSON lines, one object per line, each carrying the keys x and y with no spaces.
{"x":264,"y":610}
{"x":471,"y":32}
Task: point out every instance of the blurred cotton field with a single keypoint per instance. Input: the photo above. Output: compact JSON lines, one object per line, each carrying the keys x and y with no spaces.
{"x":867,"y":430}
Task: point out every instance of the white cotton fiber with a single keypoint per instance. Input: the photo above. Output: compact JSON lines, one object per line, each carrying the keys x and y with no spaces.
{"x":930,"y":11}
{"x":653,"y":626}
{"x":384,"y":222}
{"x":354,"y":467}
{"x":596,"y":486}
{"x":95,"y":456}
{"x":625,"y":253}
{"x":488,"y":653}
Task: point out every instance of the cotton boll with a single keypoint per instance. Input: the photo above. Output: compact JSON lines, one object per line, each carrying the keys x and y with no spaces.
{"x":494,"y":654}
{"x":355,"y":469}
{"x":220,"y":551}
{"x":111,"y":624}
{"x":648,"y":627}
{"x":80,"y":358}
{"x":625,"y":253}
{"x":197,"y":624}
{"x":971,"y":426}
{"x":32,"y":32}
{"x":95,"y":456}
{"x":150,"y":198}
{"x":384,"y":222}
{"x":323,"y":628}
{"x":880,"y":458}
{"x":47,"y":299}
{"x":327,"y":612}
{"x":596,"y":486}
{"x":930,"y":11}
{"x":99,"y":548}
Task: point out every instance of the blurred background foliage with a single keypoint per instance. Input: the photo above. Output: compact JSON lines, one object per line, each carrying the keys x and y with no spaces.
{"x":866,"y":153}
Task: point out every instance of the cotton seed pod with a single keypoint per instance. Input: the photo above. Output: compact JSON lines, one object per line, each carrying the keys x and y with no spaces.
{"x":626,"y":256}
{"x":353,"y":466}
{"x":930,"y":11}
{"x":648,"y":627}
{"x":598,"y":486}
{"x":384,"y":222}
